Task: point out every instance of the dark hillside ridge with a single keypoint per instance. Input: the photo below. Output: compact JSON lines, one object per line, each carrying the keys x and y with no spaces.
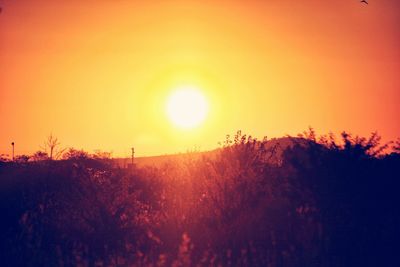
{"x":157,"y":161}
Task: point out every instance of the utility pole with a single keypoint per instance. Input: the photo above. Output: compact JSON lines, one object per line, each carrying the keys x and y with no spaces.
{"x":12,"y":143}
{"x":133,"y":155}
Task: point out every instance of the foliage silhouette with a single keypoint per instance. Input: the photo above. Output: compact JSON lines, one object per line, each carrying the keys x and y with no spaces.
{"x":293,"y":201}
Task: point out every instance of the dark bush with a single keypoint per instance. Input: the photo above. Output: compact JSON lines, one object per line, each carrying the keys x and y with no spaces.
{"x":303,"y":201}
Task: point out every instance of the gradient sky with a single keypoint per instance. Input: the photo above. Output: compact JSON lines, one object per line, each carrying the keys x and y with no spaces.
{"x":96,"y":74}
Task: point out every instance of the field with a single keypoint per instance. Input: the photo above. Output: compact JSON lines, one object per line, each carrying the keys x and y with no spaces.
{"x":301,"y":201}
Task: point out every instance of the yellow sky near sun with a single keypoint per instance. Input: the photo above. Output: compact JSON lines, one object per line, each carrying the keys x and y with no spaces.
{"x":97,"y":73}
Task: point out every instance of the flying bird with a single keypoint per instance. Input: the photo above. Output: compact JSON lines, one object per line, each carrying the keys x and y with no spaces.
{"x":364,"y":1}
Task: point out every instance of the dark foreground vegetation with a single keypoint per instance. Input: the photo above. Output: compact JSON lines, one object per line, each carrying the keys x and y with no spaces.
{"x":301,"y":201}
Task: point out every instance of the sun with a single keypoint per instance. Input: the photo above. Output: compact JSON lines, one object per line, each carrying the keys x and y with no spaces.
{"x":187,"y":107}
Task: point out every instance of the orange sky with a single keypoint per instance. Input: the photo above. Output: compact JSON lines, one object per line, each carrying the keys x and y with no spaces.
{"x":97,"y":73}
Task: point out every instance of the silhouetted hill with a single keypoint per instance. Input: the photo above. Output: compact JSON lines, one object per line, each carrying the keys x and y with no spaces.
{"x":279,"y":144}
{"x":156,"y":161}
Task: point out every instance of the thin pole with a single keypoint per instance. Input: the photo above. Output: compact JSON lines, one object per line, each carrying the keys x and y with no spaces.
{"x":12,"y":150}
{"x":133,"y":155}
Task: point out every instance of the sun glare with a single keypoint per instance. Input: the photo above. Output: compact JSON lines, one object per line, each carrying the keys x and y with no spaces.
{"x":187,"y":107}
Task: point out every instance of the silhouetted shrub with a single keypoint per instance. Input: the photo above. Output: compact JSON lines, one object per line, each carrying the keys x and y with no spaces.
{"x":304,"y":201}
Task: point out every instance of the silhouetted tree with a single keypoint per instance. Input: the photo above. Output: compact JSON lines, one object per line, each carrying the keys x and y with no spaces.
{"x":22,"y":158}
{"x":39,"y":156}
{"x":52,"y":145}
{"x":76,"y":154}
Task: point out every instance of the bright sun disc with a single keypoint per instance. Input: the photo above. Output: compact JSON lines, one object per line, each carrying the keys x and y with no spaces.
{"x":187,"y":107}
